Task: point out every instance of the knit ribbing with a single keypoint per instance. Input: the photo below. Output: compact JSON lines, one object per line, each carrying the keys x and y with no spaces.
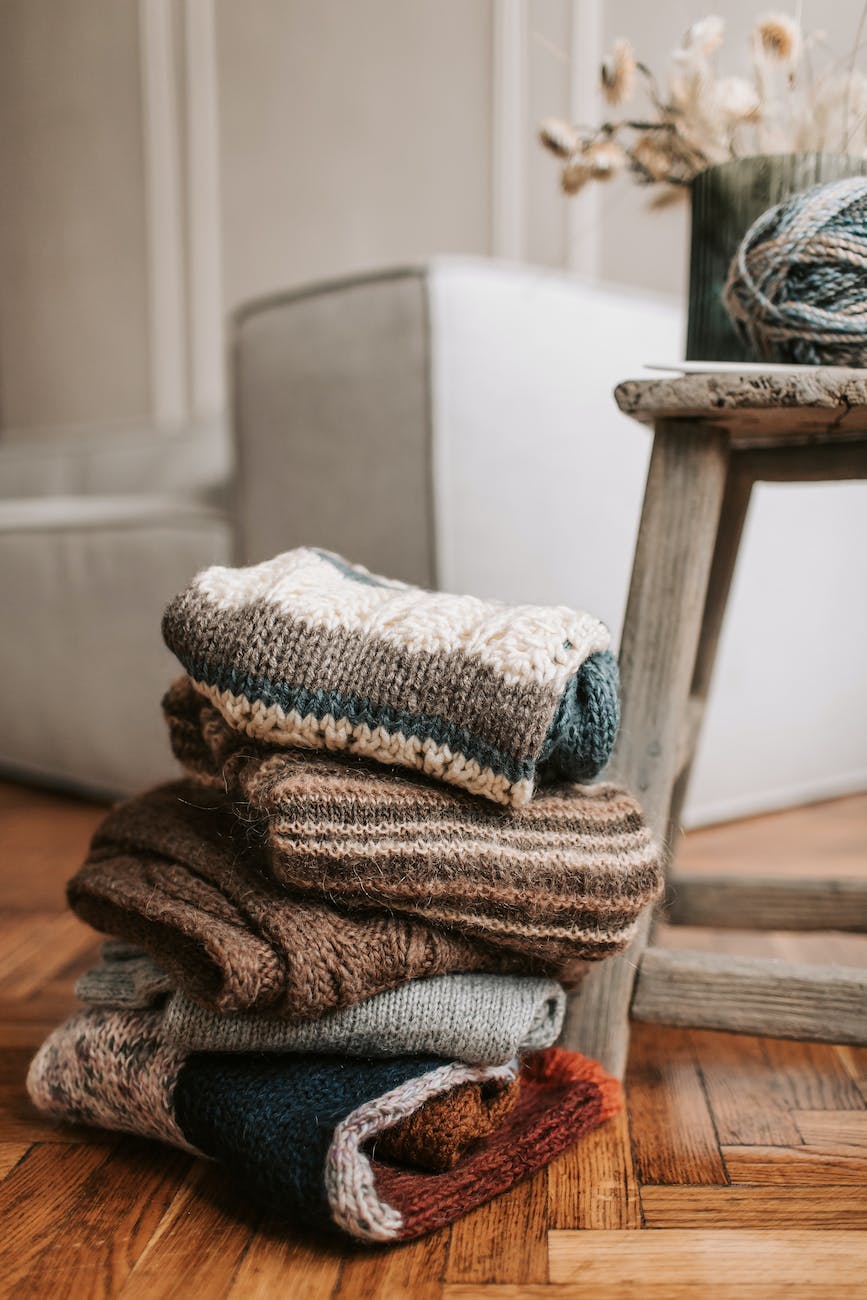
{"x":307,"y":650}
{"x":481,"y":1019}
{"x":564,"y":877}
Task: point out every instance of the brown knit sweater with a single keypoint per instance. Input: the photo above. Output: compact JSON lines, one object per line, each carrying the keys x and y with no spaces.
{"x":172,"y":872}
{"x":564,"y":877}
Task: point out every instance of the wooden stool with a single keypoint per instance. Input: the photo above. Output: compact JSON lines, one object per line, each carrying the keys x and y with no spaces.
{"x":714,"y":436}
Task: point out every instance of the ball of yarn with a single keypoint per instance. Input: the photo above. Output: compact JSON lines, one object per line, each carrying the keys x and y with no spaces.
{"x":797,"y":286}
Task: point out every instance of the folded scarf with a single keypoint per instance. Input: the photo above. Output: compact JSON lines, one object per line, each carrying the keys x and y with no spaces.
{"x":292,"y":1131}
{"x":171,"y":872}
{"x":564,"y":877}
{"x":481,"y":1019}
{"x":307,"y":650}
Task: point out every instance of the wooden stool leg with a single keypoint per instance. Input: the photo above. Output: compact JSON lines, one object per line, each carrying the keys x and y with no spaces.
{"x":683,"y":501}
{"x":733,"y":514}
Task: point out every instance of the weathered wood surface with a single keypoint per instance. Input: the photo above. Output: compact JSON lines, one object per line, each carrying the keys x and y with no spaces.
{"x":732,"y":518}
{"x":752,"y":995}
{"x":818,"y":462}
{"x":714,"y":435}
{"x":683,"y":499}
{"x":766,"y":903}
{"x":823,"y":402}
{"x":833,"y":1131}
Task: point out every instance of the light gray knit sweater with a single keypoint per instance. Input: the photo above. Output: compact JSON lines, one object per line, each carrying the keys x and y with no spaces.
{"x":480,"y":1019}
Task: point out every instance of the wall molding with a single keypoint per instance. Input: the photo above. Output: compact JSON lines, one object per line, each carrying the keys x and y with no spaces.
{"x":167,"y":330}
{"x":584,"y":211}
{"x":203,"y":209}
{"x":509,"y":130}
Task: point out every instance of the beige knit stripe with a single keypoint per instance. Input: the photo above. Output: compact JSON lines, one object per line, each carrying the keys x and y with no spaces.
{"x":271,"y":724}
{"x":343,"y":813}
{"x":447,"y":685}
{"x":545,"y":882}
{"x":522,"y":643}
{"x":350,"y":1182}
{"x":331,"y":786}
{"x":581,"y":850}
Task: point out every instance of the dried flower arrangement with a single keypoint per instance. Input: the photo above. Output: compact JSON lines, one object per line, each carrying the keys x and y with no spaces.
{"x":789,"y":105}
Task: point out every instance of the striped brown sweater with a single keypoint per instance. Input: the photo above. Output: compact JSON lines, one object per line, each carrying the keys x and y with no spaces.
{"x":171,"y":872}
{"x":564,"y":877}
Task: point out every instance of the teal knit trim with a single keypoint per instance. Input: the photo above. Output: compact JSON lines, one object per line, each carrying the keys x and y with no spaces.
{"x":581,"y":737}
{"x":360,"y":712}
{"x":586,"y":718}
{"x":349,"y":570}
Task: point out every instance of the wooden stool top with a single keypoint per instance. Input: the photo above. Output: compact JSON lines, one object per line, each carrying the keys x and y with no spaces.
{"x":772,"y":408}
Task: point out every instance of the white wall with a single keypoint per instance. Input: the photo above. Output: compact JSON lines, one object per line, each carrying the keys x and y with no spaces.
{"x":73,"y":332}
{"x":351,"y":135}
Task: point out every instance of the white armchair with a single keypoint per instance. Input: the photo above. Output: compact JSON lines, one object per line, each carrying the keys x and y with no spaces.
{"x":96,"y":533}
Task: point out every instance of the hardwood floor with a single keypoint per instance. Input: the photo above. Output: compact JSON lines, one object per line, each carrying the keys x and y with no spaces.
{"x":740,"y":1169}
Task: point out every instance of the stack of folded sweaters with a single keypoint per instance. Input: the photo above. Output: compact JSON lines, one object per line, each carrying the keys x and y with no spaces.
{"x":340,"y":944}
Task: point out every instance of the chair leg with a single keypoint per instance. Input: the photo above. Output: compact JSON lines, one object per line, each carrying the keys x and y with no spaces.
{"x":683,"y":502}
{"x":597,"y":1015}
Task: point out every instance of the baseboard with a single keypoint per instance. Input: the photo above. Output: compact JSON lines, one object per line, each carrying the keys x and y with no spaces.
{"x":839,"y":785}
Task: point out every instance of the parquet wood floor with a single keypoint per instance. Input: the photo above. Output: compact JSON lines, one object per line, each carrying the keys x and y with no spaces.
{"x":739,"y":1170}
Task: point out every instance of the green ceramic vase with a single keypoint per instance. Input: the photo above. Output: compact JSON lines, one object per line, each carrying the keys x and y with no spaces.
{"x":726,"y":200}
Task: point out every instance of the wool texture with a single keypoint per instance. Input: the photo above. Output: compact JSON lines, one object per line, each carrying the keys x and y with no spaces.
{"x":564,"y":877}
{"x":171,"y":871}
{"x":294,"y":1132}
{"x":128,"y":978}
{"x":481,"y":1019}
{"x":306,"y":650}
{"x":441,"y":1131}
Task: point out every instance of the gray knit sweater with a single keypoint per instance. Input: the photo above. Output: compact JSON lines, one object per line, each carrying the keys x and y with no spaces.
{"x":480,"y":1019}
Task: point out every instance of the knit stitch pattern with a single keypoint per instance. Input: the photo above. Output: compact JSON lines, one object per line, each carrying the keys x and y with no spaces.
{"x":481,"y":1019}
{"x":439,"y":1133}
{"x":128,"y":978}
{"x":306,"y":650}
{"x":171,"y":871}
{"x":564,"y":877}
{"x":294,"y":1132}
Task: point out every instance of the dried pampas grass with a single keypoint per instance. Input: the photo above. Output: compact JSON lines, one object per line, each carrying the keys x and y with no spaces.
{"x":702,"y":118}
{"x":618,"y":72}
